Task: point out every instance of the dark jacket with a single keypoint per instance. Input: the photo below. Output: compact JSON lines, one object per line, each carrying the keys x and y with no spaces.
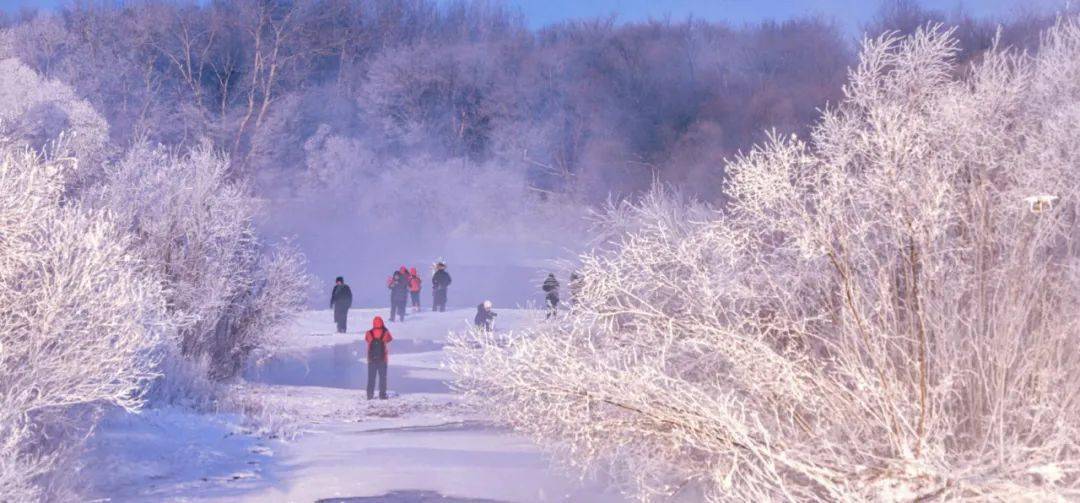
{"x":551,"y":287}
{"x":440,"y":280}
{"x":484,"y":317}
{"x":399,"y":287}
{"x":341,"y":296}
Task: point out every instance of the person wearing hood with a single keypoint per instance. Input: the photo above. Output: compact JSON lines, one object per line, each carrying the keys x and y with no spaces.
{"x":485,"y":317}
{"x":341,"y":301}
{"x":378,"y":356}
{"x":414,"y":289}
{"x":399,"y":293}
{"x":440,"y":281}
{"x":551,"y":289}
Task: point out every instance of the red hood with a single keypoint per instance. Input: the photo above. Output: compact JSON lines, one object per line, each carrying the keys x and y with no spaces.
{"x":378,"y":323}
{"x":412,"y":271}
{"x":404,"y":270}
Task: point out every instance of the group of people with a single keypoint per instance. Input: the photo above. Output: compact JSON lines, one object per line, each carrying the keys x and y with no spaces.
{"x":405,"y":284}
{"x":551,"y":292}
{"x":485,"y":316}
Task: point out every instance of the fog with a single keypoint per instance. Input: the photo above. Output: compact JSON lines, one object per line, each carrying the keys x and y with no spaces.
{"x":366,"y":254}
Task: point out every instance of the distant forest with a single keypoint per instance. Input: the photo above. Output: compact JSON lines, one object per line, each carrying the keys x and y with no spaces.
{"x":324,"y":94}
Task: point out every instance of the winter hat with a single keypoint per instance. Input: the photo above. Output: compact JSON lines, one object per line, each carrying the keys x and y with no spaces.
{"x":487,"y":304}
{"x":339,"y":280}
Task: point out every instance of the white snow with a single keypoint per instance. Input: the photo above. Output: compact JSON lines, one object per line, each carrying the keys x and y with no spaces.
{"x":422,"y":439}
{"x":169,"y":453}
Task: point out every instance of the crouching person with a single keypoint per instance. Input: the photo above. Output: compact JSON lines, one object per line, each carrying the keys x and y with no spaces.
{"x":485,"y":317}
{"x":378,"y":354}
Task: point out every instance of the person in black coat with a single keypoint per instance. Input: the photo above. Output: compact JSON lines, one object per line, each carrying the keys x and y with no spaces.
{"x":440,"y":281}
{"x":399,"y":293}
{"x":341,"y":301}
{"x":551,"y":289}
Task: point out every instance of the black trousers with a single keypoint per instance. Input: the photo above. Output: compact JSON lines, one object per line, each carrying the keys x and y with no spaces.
{"x":396,"y":307}
{"x":376,"y":369}
{"x":415,"y":298}
{"x":439,"y":301}
{"x":341,"y":317}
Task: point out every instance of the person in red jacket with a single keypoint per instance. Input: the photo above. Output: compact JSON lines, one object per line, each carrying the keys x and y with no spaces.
{"x":414,"y":289}
{"x":378,"y":355}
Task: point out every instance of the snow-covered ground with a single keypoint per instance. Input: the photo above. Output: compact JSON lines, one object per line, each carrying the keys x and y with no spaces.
{"x":424,"y":439}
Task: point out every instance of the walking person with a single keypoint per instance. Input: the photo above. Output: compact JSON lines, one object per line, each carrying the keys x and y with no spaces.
{"x":551,"y":288}
{"x":485,"y":317}
{"x":575,"y":287}
{"x":414,"y":289}
{"x":341,"y":301}
{"x":399,"y":293}
{"x":440,"y":281}
{"x":378,"y":356}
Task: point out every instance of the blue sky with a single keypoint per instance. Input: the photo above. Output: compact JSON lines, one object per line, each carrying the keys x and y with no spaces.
{"x":849,"y":13}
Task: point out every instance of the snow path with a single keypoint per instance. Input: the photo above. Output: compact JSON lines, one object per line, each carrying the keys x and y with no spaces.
{"x":423,"y":444}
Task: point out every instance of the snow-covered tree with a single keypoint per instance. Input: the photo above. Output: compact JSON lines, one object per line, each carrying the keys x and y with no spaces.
{"x":884,"y":311}
{"x":79,"y":323}
{"x":35,"y":112}
{"x":112,"y":275}
{"x":195,"y":229}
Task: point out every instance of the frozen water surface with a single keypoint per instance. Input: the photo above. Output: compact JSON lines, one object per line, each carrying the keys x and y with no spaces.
{"x":422,"y":445}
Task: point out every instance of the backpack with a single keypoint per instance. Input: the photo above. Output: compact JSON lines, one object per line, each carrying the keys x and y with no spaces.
{"x":377,"y":349}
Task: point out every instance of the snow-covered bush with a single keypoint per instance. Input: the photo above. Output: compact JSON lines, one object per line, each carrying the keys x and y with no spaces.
{"x":195,"y":229}
{"x":36,"y":112}
{"x":79,"y":324}
{"x":885,"y":311}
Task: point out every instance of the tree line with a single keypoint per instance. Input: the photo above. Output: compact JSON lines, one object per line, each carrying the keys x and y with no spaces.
{"x":587,"y":108}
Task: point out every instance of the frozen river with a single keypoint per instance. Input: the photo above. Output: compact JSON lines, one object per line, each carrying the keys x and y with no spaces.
{"x":421,"y":445}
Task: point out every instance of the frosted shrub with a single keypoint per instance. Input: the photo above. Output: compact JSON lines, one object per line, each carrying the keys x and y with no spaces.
{"x":880,"y":313}
{"x":78,"y":325}
{"x":195,"y":229}
{"x":36,"y":112}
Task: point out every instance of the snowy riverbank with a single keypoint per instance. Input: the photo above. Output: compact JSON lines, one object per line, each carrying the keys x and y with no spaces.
{"x":422,"y":439}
